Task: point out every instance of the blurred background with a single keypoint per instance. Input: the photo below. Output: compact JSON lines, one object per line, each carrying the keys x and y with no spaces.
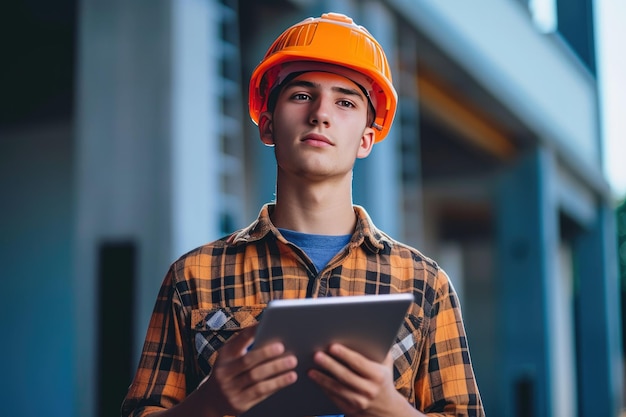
{"x":125,"y":142}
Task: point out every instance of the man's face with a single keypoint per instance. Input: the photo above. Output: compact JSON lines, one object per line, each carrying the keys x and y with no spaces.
{"x":318,"y":126}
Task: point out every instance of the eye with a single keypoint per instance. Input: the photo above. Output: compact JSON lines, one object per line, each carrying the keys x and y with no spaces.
{"x":346,"y":103}
{"x":300,"y":97}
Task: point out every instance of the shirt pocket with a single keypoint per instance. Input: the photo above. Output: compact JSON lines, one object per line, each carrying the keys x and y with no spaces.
{"x":405,"y":353}
{"x":213,"y":327}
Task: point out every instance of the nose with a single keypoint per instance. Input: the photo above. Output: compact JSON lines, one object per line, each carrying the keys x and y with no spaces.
{"x":320,"y":111}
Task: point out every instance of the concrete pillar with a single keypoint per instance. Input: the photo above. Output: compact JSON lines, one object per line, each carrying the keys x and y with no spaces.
{"x":527,"y":240}
{"x":146,"y":171}
{"x":377,"y":178}
{"x":599,"y":330}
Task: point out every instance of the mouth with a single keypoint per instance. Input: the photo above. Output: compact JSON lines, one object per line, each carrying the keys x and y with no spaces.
{"x":315,"y":139}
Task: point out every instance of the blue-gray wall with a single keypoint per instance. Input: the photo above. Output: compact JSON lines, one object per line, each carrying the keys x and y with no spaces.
{"x":36,"y":312}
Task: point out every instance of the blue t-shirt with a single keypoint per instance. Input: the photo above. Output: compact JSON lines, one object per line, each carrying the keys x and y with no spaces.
{"x":320,"y":248}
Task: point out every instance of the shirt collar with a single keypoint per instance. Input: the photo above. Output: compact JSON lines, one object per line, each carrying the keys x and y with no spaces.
{"x":365,"y":231}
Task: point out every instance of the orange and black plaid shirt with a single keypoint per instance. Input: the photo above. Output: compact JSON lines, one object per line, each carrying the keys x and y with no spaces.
{"x":215,"y":290}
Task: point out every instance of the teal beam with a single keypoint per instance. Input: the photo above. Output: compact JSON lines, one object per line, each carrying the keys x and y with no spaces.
{"x":527,"y":233}
{"x":599,"y":331}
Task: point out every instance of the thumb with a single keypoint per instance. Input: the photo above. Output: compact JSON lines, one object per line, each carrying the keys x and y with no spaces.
{"x":238,"y":345}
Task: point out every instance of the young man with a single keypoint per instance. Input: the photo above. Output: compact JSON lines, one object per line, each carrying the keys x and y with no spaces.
{"x":322,"y":97}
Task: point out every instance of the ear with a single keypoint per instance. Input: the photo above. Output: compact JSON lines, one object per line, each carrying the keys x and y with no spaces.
{"x":367,"y":142}
{"x":266,"y":128}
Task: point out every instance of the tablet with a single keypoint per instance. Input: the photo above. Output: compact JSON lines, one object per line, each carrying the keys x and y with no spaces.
{"x":365,"y":323}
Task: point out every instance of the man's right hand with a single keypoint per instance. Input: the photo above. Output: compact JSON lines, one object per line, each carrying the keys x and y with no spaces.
{"x":241,"y":378}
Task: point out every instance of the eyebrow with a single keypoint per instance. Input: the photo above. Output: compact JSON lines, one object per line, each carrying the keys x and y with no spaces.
{"x":343,"y":90}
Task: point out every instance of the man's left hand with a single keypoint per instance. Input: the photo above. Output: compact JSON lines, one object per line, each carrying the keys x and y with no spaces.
{"x":359,"y":386}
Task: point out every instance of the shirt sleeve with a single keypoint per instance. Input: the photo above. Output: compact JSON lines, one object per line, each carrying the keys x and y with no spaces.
{"x":160,"y":380}
{"x":445,"y":384}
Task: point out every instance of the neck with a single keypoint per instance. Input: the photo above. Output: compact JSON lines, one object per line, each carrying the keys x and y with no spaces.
{"x":323,"y":208}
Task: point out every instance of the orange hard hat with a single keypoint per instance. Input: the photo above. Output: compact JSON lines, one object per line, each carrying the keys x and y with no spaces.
{"x":331,"y":39}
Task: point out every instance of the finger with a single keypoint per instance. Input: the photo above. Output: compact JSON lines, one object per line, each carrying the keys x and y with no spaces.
{"x":260,"y":364}
{"x":343,"y":396}
{"x":353,"y":370}
{"x":264,"y":380}
{"x":252,"y":395}
{"x":326,"y":381}
{"x":254,"y":366}
{"x":238,"y":345}
{"x":246,"y":380}
{"x":265,"y":363}
{"x":358,"y":363}
{"x":349,"y":389}
{"x":271,"y":376}
{"x":258,"y":355}
{"x":336,"y":372}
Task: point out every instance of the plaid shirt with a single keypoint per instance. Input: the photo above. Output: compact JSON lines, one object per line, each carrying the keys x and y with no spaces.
{"x":215,"y":290}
